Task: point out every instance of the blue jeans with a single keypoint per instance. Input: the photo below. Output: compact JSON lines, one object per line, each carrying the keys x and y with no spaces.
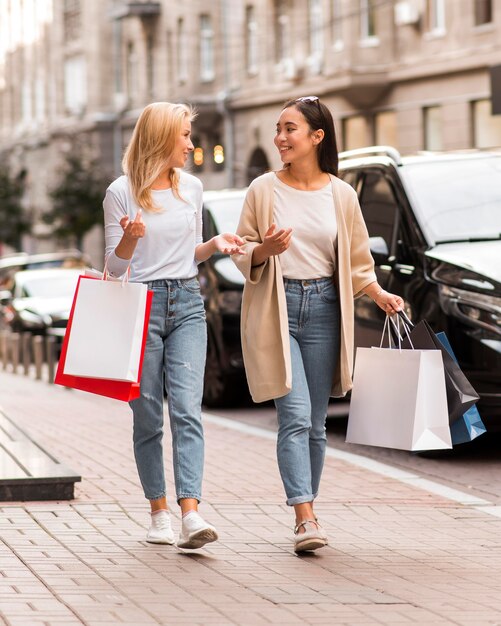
{"x":313,"y":311}
{"x":175,"y":353}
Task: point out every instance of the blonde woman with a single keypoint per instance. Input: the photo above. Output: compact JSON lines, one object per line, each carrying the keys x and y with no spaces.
{"x":153,"y":224}
{"x":307,"y":258}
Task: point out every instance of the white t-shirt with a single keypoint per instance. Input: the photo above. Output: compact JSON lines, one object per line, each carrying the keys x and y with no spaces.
{"x":167,"y":250}
{"x":312,"y":217}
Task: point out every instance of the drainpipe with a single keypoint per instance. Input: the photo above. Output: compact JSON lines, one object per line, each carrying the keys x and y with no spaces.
{"x":117,"y":131}
{"x":229,"y":122}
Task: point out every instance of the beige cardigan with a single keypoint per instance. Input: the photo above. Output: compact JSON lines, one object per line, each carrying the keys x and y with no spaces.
{"x":264,"y":324}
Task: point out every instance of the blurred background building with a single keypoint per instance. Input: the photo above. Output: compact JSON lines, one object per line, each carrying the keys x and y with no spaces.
{"x":74,"y":75}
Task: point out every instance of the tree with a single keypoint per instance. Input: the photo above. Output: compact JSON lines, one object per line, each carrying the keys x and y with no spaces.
{"x":13,"y":221}
{"x":77,"y":199}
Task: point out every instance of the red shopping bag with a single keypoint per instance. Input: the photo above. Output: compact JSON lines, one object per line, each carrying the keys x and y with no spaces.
{"x":117,"y":389}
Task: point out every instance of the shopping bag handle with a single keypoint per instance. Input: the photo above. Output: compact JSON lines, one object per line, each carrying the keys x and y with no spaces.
{"x":406,"y":324}
{"x":396,"y":325}
{"x":106,"y":274}
{"x":403,"y":316}
{"x":386,"y":329}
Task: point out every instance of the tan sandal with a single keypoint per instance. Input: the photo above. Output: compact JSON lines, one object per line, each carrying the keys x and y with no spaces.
{"x":312,"y":538}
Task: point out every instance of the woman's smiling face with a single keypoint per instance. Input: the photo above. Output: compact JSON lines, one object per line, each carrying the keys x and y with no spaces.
{"x":183,"y":145}
{"x":294,"y":137}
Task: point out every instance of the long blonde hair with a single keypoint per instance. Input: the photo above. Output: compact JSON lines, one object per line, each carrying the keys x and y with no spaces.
{"x":150,"y":147}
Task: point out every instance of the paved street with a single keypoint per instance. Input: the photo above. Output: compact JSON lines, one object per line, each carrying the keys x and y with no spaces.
{"x":401,"y":552}
{"x":474,"y":466}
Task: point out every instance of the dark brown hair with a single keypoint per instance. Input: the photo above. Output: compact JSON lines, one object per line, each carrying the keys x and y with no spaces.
{"x":318,"y":117}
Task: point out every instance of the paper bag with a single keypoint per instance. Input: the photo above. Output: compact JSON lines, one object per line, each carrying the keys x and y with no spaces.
{"x":460,"y":394}
{"x":399,"y":400}
{"x":106,"y":330}
{"x":469,"y":426}
{"x":119,"y":390}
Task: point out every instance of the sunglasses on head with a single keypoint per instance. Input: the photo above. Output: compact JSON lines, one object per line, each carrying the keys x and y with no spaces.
{"x":310,"y":99}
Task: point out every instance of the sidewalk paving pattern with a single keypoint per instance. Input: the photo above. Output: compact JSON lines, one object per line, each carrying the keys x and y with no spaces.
{"x":399,"y":554}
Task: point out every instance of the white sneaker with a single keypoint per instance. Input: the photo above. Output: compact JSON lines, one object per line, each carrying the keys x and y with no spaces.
{"x":195,"y":532}
{"x":160,"y":530}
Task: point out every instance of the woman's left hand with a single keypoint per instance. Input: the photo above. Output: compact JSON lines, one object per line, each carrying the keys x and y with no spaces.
{"x":228,"y":243}
{"x":389,"y":302}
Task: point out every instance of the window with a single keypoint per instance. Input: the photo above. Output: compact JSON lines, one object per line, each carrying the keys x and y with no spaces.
{"x":26,"y":102}
{"x":483,"y":12}
{"x":132,"y":70}
{"x":282,"y":31}
{"x":72,"y":20}
{"x":182,"y":51}
{"x":379,"y":207}
{"x":355,"y":133}
{"x":75,"y":84}
{"x":316,"y":34}
{"x":206,"y":49}
{"x":367,"y":19}
{"x":435,"y":15}
{"x":251,"y":40}
{"x":336,"y":23}
{"x":486,"y":127}
{"x":150,"y":65}
{"x":433,"y":128}
{"x":385,"y":127}
{"x":39,"y":98}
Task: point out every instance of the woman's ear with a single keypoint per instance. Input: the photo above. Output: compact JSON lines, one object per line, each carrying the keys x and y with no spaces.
{"x":318,"y":135}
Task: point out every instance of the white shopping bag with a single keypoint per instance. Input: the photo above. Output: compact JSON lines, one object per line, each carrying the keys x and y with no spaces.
{"x":106,"y":330}
{"x":399,"y":400}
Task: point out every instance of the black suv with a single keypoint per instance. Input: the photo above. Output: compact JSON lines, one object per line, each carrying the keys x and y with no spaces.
{"x":435,"y":227}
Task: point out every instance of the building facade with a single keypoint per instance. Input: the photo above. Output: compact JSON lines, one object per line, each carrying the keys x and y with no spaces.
{"x":74,"y":74}
{"x":414,"y":74}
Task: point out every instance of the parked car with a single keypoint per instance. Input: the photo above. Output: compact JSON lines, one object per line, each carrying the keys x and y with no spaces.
{"x":12,"y":263}
{"x":40,"y":301}
{"x":435,"y":227}
{"x":221,"y":286}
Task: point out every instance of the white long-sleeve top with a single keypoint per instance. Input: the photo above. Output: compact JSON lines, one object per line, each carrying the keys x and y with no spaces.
{"x":167,"y":250}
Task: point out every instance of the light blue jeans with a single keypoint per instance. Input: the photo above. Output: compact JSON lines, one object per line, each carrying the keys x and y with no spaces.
{"x":313,"y":310}
{"x":175,"y":354}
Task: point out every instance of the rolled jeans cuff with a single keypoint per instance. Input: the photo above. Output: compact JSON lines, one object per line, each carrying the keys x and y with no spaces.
{"x":193,"y":496}
{"x":162,"y":495}
{"x":300,"y":499}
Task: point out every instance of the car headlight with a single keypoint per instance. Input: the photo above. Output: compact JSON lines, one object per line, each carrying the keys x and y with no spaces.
{"x":475,"y":309}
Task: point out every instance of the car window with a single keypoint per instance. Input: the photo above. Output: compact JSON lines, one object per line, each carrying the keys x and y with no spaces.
{"x":456,"y":199}
{"x":209,"y":227}
{"x":379,"y":206}
{"x":350,"y":177}
{"x":226,"y":212}
{"x":53,"y":287}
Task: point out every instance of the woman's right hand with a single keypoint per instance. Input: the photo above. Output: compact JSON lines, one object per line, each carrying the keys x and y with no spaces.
{"x":133,"y":230}
{"x":274,"y":243}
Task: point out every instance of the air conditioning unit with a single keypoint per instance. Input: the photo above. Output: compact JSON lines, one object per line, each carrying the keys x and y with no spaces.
{"x":407,"y":12}
{"x":289,"y":68}
{"x":120,"y":101}
{"x":315,"y":63}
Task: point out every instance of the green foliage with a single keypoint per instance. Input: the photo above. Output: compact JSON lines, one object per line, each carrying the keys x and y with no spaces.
{"x":13,"y":221}
{"x":77,"y":199}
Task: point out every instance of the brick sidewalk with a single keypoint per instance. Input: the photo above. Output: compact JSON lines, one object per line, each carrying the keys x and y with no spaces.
{"x":398,"y":554}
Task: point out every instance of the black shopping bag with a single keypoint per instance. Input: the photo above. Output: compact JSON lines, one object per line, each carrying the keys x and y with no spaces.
{"x":460,"y":394}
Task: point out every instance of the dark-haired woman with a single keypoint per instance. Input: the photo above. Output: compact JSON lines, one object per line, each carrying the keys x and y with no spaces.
{"x":307,"y":259}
